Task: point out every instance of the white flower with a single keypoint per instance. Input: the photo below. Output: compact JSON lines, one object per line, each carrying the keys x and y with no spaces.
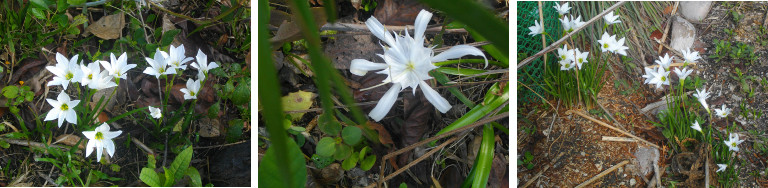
{"x":580,"y":58}
{"x":723,"y":111}
{"x":193,"y":87}
{"x":649,"y":74}
{"x":117,"y":67}
{"x":576,"y":23}
{"x":665,"y":61}
{"x":89,"y":72}
{"x":562,"y":10}
{"x":565,"y":54}
{"x":682,"y":74}
{"x":611,"y":19}
{"x":536,"y":28}
{"x":65,"y":71}
{"x":177,"y":58}
{"x":690,"y":56}
{"x":102,"y":81}
{"x":702,"y":96}
{"x":696,"y":126}
{"x":101,"y":139}
{"x":202,"y":65}
{"x":733,"y":142}
{"x":408,"y":63}
{"x":155,"y":112}
{"x":566,"y":65}
{"x":567,"y":27}
{"x":606,"y":42}
{"x":721,"y":167}
{"x":619,"y":47}
{"x":158,"y":66}
{"x":62,"y":109}
{"x":660,"y":77}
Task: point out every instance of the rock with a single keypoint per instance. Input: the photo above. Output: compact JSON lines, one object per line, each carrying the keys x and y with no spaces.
{"x":695,"y":11}
{"x":583,"y":154}
{"x":632,"y":182}
{"x":683,"y":34}
{"x":646,"y":158}
{"x":621,"y":170}
{"x":232,"y":167}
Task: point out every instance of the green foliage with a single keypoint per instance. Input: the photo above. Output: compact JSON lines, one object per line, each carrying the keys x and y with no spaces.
{"x":526,"y":161}
{"x":369,"y":5}
{"x":178,"y":169}
{"x":735,"y":52}
{"x":736,"y":16}
{"x":68,"y":163}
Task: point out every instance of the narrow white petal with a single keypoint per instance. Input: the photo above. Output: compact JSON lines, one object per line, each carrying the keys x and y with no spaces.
{"x":385,"y":103}
{"x":53,"y":114}
{"x":457,"y":52}
{"x":433,"y":97}
{"x":361,"y":66}
{"x":109,"y":135}
{"x":420,"y":25}
{"x":89,"y":147}
{"x":379,"y":31}
{"x":110,"y":146}
{"x":61,"y":59}
{"x":99,"y":150}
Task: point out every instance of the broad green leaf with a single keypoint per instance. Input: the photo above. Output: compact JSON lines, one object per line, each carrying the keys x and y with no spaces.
{"x":326,"y":147}
{"x":329,"y":125}
{"x":367,"y":163}
{"x":350,"y":162}
{"x":4,"y":144}
{"x":11,"y":92}
{"x":242,"y":93}
{"x":295,"y":165}
{"x":459,"y":71}
{"x":321,"y":162}
{"x":39,"y":4}
{"x":300,"y":100}
{"x":235,"y":130}
{"x":79,"y":20}
{"x":168,"y":37}
{"x":342,"y":152}
{"x":194,"y":177}
{"x":150,"y":177}
{"x":151,"y":161}
{"x":363,"y":152}
{"x":181,"y":163}
{"x":169,"y":180}
{"x":39,"y":14}
{"x":75,"y":2}
{"x":484,"y":158}
{"x":351,"y":135}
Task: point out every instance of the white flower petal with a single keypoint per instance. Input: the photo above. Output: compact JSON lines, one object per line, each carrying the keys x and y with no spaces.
{"x":433,"y":97}
{"x":380,"y":31}
{"x":361,"y":66}
{"x":109,"y":145}
{"x":457,"y":52}
{"x":89,"y":147}
{"x":385,"y":103}
{"x":420,"y":25}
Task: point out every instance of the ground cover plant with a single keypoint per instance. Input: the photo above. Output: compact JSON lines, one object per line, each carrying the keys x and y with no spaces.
{"x":331,"y":100}
{"x":124,"y":93}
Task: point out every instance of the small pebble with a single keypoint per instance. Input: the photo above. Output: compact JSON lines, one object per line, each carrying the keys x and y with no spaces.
{"x":632,"y":182}
{"x":621,"y":170}
{"x":583,"y":154}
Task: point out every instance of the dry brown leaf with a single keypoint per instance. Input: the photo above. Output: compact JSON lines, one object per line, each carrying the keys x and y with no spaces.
{"x":168,"y":24}
{"x":108,"y":27}
{"x":384,"y":136}
{"x":70,"y":140}
{"x":291,"y":31}
{"x":209,"y":128}
{"x":276,"y":17}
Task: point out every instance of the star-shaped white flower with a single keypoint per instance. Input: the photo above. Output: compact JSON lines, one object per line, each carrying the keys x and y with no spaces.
{"x":660,"y":77}
{"x":682,"y":74}
{"x":407,"y":64}
{"x":63,"y":109}
{"x":576,"y":23}
{"x":155,"y":112}
{"x":89,"y":72}
{"x":158,"y":66}
{"x":665,"y":61}
{"x":193,"y":87}
{"x":566,"y":22}
{"x":101,"y":139}
{"x":202,"y":65}
{"x":565,"y":54}
{"x":65,"y":71}
{"x":696,"y":126}
{"x":702,"y":96}
{"x":177,"y":58}
{"x":536,"y":28}
{"x":733,"y":142}
{"x":610,"y":18}
{"x":721,"y":167}
{"x":690,"y":56}
{"x":723,"y":111}
{"x":118,"y":67}
{"x":102,"y":81}
{"x":566,"y":65}
{"x":580,"y":58}
{"x":649,"y":74}
{"x":562,"y":10}
{"x":618,"y":47}
{"x":606,"y":42}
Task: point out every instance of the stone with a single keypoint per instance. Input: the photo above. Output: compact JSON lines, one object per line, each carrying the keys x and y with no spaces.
{"x":695,"y":11}
{"x":682,"y":35}
{"x":632,"y":182}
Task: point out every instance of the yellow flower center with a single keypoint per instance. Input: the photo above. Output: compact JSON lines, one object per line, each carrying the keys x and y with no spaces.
{"x":663,"y":78}
{"x":562,"y":56}
{"x":409,"y":66}
{"x":69,"y":75}
{"x":567,"y":65}
{"x":90,"y":76}
{"x":99,"y":136}
{"x":64,"y":107}
{"x":581,"y":60}
{"x":192,"y":93}
{"x":605,"y":45}
{"x":162,"y":70}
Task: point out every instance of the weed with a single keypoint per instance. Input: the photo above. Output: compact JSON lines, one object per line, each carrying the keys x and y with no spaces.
{"x":736,"y":16}
{"x":526,"y":161}
{"x":735,"y":52}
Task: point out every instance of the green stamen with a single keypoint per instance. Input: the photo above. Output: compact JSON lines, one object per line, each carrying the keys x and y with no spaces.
{"x":64,"y":107}
{"x":99,"y":136}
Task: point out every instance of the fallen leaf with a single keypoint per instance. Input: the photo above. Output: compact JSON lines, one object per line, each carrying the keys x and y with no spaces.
{"x":70,"y":140}
{"x":209,"y":128}
{"x":668,"y":9}
{"x":276,"y":17}
{"x":300,"y":100}
{"x":291,"y":31}
{"x":108,"y":27}
{"x":384,"y":136}
{"x":398,"y":12}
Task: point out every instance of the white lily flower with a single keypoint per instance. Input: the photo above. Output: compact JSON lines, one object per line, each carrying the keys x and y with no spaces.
{"x":65,"y":71}
{"x":660,"y":77}
{"x":118,"y":67}
{"x":576,"y":23}
{"x":702,"y":96}
{"x":193,"y":87}
{"x":101,"y":139}
{"x":610,"y":18}
{"x":721,"y":167}
{"x":733,"y":142}
{"x":580,"y":58}
{"x":63,"y":109}
{"x":690,"y":56}
{"x":158,"y":66}
{"x":606,"y":42}
{"x":649,"y":75}
{"x":408,"y":63}
{"x":566,"y":22}
{"x":536,"y":28}
{"x":562,"y":10}
{"x":565,"y":54}
{"x":102,"y":81}
{"x":682,"y":74}
{"x":202,"y":65}
{"x":618,"y":47}
{"x":566,"y":65}
{"x":177,"y":58}
{"x":696,"y":126}
{"x":723,"y":111}
{"x":155,"y":112}
{"x":665,"y":61}
{"x":89,"y":72}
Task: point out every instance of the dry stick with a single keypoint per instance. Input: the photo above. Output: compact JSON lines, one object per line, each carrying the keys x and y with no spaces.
{"x":409,"y":165}
{"x":553,"y":46}
{"x":481,"y":74}
{"x":606,"y":172}
{"x":543,"y":38}
{"x":611,"y":127}
{"x":618,"y":139}
{"x":537,"y":94}
{"x":607,"y":112}
{"x":669,"y":22}
{"x":142,"y":146}
{"x":363,"y":27}
{"x":706,"y":172}
{"x":30,"y":143}
{"x":543,"y":170}
{"x":221,"y":145}
{"x":471,"y":83}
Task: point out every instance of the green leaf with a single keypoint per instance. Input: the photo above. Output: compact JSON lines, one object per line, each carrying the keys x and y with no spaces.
{"x":150,"y":177}
{"x":39,"y":4}
{"x":329,"y":124}
{"x":194,"y":177}
{"x":114,"y":167}
{"x":321,"y":162}
{"x":458,"y":71}
{"x":181,"y":163}
{"x":169,"y":180}
{"x":10,"y":92}
{"x":39,"y":14}
{"x":342,"y":152}
{"x":477,"y":17}
{"x":242,"y":93}
{"x":151,"y":161}
{"x":79,"y":20}
{"x":235,"y":130}
{"x":403,"y":185}
{"x":484,"y":158}
{"x":213,"y":111}
{"x":4,"y":144}
{"x":75,"y":2}
{"x":73,"y":31}
{"x":350,"y":162}
{"x":167,"y":38}
{"x":295,"y":165}
{"x":351,"y":135}
{"x":326,"y":147}
{"x":367,"y":163}
{"x":363,"y":152}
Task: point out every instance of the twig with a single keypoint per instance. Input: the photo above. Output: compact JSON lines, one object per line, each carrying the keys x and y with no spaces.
{"x":481,"y":74}
{"x":618,"y":139}
{"x":553,"y":46}
{"x":363,"y":27}
{"x":610,"y":115}
{"x":537,"y":94}
{"x":414,"y":162}
{"x":221,"y":145}
{"x":543,"y":170}
{"x":606,"y":172}
{"x":31,"y":143}
{"x":666,"y":29}
{"x":48,"y":179}
{"x":142,"y":146}
{"x":706,"y":172}
{"x":611,"y":127}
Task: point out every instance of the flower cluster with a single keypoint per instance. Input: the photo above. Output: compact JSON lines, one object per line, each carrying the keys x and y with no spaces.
{"x":608,"y":43}
{"x":407,"y":63}
{"x":570,"y":59}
